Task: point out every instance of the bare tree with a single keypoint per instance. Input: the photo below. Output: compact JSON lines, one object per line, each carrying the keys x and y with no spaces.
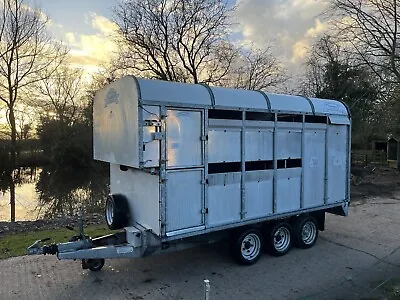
{"x":26,"y":50}
{"x":61,"y":93}
{"x":24,"y":120}
{"x":256,"y":69}
{"x":372,"y":27}
{"x":334,"y":73}
{"x":324,"y":51}
{"x":175,"y":40}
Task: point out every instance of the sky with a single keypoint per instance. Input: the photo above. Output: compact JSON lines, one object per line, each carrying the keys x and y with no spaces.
{"x":290,"y":25}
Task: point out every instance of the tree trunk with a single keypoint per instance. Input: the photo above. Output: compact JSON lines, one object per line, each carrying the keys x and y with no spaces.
{"x":12,"y":196}
{"x":13,"y":161}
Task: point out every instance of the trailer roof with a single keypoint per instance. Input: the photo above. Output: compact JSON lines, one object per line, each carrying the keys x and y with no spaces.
{"x":187,"y":94}
{"x":173,"y":92}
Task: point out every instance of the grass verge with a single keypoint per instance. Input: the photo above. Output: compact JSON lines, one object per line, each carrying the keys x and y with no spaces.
{"x":15,"y":245}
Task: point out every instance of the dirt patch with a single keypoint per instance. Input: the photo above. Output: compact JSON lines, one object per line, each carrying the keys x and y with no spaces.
{"x":375,"y":182}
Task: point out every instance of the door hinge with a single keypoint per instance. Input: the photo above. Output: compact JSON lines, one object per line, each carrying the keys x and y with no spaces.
{"x":204,"y":138}
{"x":152,"y":123}
{"x":204,"y":211}
{"x":157,"y":136}
{"x":204,"y":181}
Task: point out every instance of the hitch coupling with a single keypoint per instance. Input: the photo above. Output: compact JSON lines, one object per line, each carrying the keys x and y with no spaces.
{"x":36,"y":248}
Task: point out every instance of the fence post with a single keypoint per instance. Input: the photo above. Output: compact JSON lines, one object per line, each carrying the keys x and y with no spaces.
{"x":206,"y":289}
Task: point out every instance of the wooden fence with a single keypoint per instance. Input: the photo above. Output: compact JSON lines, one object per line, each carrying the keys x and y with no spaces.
{"x":368,"y":157}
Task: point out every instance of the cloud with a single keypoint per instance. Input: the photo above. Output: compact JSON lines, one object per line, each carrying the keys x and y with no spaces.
{"x":70,"y":38}
{"x":89,"y":51}
{"x":299,"y":50}
{"x":103,"y":25}
{"x":291,"y":25}
{"x":319,"y":28}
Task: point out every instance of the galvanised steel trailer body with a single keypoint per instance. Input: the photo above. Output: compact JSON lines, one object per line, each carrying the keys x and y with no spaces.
{"x":193,"y":162}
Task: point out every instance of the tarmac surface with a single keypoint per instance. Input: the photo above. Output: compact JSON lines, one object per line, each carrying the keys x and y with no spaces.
{"x":356,"y":257}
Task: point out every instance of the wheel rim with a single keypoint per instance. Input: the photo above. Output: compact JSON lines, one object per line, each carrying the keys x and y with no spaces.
{"x":251,"y":246}
{"x":109,"y":212}
{"x":281,"y":239}
{"x":308,"y":232}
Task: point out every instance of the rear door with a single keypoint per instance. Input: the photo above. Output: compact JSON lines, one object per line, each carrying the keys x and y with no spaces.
{"x":185,"y":170}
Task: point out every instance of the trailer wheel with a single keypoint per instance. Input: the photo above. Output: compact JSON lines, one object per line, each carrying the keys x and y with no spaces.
{"x":247,"y":246}
{"x":95,"y":264}
{"x":117,"y":211}
{"x":278,"y":238}
{"x":305,"y":231}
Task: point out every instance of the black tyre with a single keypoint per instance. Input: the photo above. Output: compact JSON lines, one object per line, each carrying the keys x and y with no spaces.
{"x":95,"y":264}
{"x":278,"y":238}
{"x":247,"y":246}
{"x":116,"y":212}
{"x":305,"y":232}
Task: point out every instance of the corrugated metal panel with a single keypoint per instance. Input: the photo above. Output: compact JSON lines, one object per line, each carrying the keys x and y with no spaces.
{"x":151,"y":151}
{"x":238,"y":98}
{"x":259,"y":144}
{"x":288,"y":143}
{"x":259,"y":193}
{"x":288,"y":103}
{"x":142,"y":191}
{"x":337,"y":159}
{"x":289,"y":125}
{"x":259,"y":124}
{"x":224,"y":123}
{"x":288,"y":189}
{"x":224,"y":199}
{"x":331,"y":107}
{"x":173,"y":92}
{"x":224,"y":145}
{"x":115,"y":124}
{"x":315,"y":126}
{"x":314,"y":167}
{"x":183,"y":209}
{"x":184,"y":138}
{"x":343,"y":120}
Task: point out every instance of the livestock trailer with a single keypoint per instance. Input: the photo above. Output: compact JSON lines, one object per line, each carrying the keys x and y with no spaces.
{"x":192,"y":163}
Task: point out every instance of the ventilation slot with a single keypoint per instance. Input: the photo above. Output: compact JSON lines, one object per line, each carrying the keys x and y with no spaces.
{"x":224,"y":114}
{"x":259,"y":116}
{"x":259,"y":165}
{"x":290,"y":118}
{"x":289,"y":163}
{"x":230,"y":167}
{"x":316,"y":119}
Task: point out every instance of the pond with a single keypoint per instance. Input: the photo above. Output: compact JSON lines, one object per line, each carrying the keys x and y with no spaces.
{"x":44,"y":193}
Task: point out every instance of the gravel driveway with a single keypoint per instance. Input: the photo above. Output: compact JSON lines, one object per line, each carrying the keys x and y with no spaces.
{"x":356,"y":257}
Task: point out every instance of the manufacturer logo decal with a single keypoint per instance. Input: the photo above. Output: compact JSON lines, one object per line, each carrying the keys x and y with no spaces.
{"x":112,"y":97}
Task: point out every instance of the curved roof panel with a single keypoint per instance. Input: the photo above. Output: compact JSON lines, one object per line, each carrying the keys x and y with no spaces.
{"x":170,"y":93}
{"x":289,"y":103}
{"x":173,"y":92}
{"x":236,"y":98}
{"x":330,"y":107}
